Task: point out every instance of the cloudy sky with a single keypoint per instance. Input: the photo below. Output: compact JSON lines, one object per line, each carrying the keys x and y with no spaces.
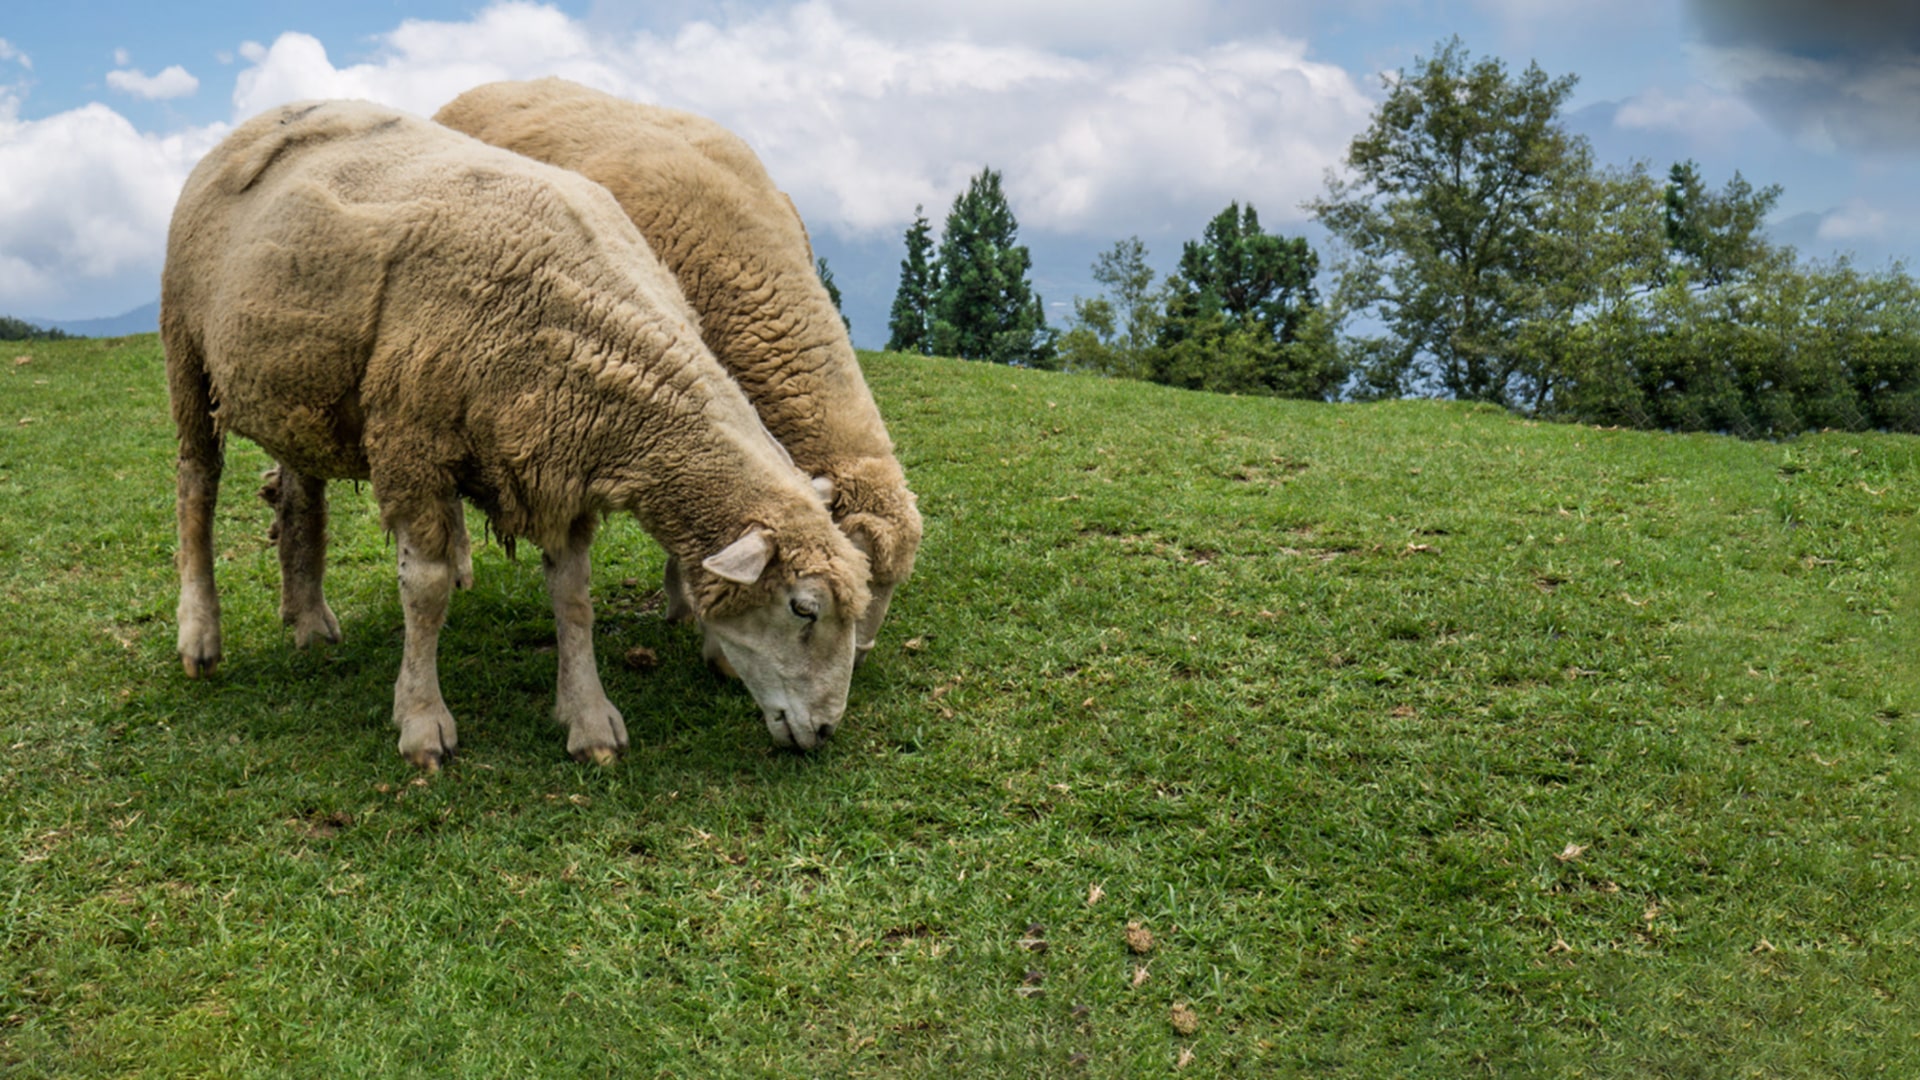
{"x":1108,"y":118}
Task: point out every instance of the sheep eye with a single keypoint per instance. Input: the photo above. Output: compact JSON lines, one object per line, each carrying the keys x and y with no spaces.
{"x":805,"y":609}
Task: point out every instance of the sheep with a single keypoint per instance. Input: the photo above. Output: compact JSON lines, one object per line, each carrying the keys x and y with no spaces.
{"x":368,"y":295}
{"x":745,"y":263}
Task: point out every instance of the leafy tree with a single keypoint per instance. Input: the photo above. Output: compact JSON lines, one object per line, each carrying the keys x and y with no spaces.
{"x":1600,"y":245}
{"x":909,"y":323}
{"x":833,"y":291}
{"x":12,"y":329}
{"x":1788,"y":349}
{"x":1090,"y":343}
{"x":1124,"y":271}
{"x":1440,"y":213}
{"x":1109,"y":334}
{"x":1235,"y":311}
{"x":984,"y":308}
{"x":1715,"y":236}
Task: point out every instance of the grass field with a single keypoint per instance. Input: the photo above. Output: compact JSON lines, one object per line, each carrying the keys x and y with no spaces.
{"x":1419,"y":739}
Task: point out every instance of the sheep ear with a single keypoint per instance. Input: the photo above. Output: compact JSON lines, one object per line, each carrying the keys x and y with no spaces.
{"x":823,"y":487}
{"x":743,"y":560}
{"x":861,"y":536}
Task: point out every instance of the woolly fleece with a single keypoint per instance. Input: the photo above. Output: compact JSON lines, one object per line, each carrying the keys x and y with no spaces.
{"x":741,"y":253}
{"x":367,"y":294}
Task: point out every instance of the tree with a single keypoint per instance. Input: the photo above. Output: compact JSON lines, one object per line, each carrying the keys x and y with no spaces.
{"x":833,"y":291}
{"x":1234,"y":312}
{"x":1124,"y":271}
{"x":1246,"y":274}
{"x":910,"y":321}
{"x":12,"y":329}
{"x":1715,"y":237}
{"x":1599,"y":246}
{"x":983,"y":307}
{"x":1440,"y":212}
{"x":1110,"y":334}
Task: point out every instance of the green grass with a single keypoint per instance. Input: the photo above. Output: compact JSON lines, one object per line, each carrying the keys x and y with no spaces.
{"x":1425,"y":741}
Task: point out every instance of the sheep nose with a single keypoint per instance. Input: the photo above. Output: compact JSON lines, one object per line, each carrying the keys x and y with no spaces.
{"x":825,"y":731}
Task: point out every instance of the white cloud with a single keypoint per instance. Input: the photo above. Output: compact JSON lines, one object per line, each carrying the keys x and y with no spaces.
{"x":423,"y":65}
{"x":84,"y":204}
{"x":8,"y":52}
{"x":1855,"y":221}
{"x":860,"y":127}
{"x":173,"y":82}
{"x":1860,"y":100}
{"x":1697,"y":112}
{"x":1063,"y":24}
{"x":859,"y":124}
{"x":121,"y":58}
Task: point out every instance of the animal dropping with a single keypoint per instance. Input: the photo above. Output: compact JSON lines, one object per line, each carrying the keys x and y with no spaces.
{"x":1139,"y":939}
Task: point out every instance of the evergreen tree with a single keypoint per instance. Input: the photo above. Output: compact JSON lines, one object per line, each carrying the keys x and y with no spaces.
{"x":1715,"y":236}
{"x":910,"y":320}
{"x":1245,"y":274}
{"x":984,"y":308}
{"x":1237,"y":315}
{"x":833,"y":291}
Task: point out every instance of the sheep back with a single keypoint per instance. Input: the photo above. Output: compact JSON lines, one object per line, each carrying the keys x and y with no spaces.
{"x":373,"y":295}
{"x":741,"y":253}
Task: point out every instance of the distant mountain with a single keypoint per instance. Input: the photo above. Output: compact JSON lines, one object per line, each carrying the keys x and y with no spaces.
{"x":144,"y":319}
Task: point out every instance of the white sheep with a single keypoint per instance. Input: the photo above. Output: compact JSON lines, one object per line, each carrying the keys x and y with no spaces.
{"x":743,"y":259}
{"x":366,"y":294}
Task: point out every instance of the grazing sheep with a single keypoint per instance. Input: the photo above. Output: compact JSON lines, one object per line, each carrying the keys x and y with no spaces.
{"x":737,"y":244}
{"x":368,"y":295}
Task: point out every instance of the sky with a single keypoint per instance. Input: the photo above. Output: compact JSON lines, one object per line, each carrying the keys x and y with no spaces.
{"x":1106,"y":118}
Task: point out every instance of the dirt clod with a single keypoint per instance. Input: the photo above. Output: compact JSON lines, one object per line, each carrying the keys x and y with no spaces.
{"x":1139,"y":938}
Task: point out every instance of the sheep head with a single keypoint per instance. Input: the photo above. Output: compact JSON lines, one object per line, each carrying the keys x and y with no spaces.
{"x":786,"y":625}
{"x":881,"y":518}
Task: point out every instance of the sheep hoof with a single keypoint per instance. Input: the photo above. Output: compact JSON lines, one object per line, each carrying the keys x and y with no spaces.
{"x":602,"y":747}
{"x":596,"y":733}
{"x":198,"y":666}
{"x":312,"y":626}
{"x":199,"y":647}
{"x":429,"y":760}
{"x":428,"y":739}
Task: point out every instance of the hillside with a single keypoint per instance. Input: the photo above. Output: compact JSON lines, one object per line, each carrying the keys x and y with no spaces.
{"x":144,"y":319}
{"x":1421,"y":740}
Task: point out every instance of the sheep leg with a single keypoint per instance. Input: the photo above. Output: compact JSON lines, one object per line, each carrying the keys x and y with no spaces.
{"x":460,"y":546}
{"x":198,"y":616}
{"x":197,"y":490}
{"x":427,"y":737}
{"x":679,"y":607}
{"x":300,"y":524}
{"x":595,"y":730}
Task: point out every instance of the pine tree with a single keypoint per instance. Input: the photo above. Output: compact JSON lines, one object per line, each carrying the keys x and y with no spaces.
{"x":1241,"y":315}
{"x":909,"y":322}
{"x":1246,"y":274}
{"x":833,"y":291}
{"x":984,"y":307}
{"x":1716,"y":236}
